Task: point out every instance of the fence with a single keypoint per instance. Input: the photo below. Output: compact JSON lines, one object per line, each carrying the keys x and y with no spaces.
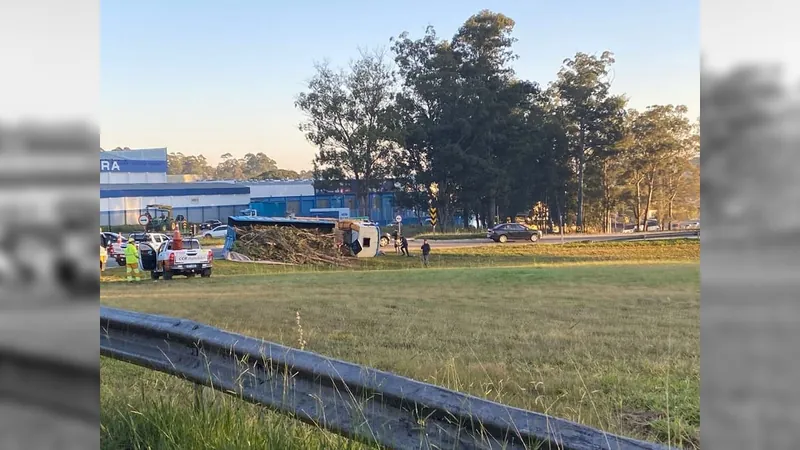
{"x":351,"y":400}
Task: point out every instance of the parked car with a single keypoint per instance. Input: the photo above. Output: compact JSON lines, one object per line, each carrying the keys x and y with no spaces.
{"x":218,"y":232}
{"x":652,"y":225}
{"x":210,"y":224}
{"x":505,"y":232}
{"x":108,"y":238}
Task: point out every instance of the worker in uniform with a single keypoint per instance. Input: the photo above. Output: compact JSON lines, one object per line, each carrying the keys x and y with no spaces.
{"x":132,"y":261}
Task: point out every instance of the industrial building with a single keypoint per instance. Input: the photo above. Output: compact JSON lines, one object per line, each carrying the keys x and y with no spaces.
{"x":299,"y":197}
{"x":132,"y":179}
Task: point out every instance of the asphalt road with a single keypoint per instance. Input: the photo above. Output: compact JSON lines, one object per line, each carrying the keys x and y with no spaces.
{"x":469,"y":243}
{"x":551,"y":239}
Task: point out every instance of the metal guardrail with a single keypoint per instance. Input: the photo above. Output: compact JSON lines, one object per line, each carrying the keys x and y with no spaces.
{"x":345,"y":398}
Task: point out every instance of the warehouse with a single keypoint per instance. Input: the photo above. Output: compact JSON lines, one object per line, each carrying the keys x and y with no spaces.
{"x":281,"y":198}
{"x":132,"y":179}
{"x":133,"y":166}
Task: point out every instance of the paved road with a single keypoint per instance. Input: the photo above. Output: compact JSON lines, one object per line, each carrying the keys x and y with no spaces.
{"x":469,"y":243}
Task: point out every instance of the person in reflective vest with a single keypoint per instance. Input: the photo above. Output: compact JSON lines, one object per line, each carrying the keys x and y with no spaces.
{"x":132,"y":261}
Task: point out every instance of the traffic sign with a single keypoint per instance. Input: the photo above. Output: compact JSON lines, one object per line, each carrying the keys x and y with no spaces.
{"x":434,"y":216}
{"x":144,"y":220}
{"x":398,"y":219}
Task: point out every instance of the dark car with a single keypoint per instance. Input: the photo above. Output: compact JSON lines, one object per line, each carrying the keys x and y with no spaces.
{"x":513,"y":232}
{"x":107,"y":238}
{"x":210,"y":224}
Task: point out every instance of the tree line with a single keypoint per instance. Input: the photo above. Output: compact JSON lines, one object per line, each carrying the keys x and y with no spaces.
{"x":454,"y":127}
{"x":253,"y":166}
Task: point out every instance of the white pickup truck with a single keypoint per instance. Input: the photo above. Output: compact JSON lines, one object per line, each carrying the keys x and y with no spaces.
{"x":117,"y":250}
{"x":162,"y":261}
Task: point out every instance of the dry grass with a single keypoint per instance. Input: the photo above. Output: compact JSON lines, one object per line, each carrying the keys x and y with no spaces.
{"x":612,"y":345}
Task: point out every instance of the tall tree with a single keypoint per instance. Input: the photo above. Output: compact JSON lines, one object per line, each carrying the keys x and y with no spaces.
{"x":253,"y":165}
{"x":660,"y":136}
{"x":592,"y":116}
{"x":348,"y":117}
{"x":462,"y":114}
{"x":229,"y":168}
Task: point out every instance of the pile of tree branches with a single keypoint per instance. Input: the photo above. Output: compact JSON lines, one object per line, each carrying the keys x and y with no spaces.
{"x":288,"y":245}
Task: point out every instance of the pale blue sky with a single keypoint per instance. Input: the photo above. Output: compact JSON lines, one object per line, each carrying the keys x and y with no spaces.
{"x":212,"y":77}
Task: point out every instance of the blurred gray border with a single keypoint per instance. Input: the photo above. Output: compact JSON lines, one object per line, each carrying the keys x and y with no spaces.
{"x":49,"y":210}
{"x":750,"y":257}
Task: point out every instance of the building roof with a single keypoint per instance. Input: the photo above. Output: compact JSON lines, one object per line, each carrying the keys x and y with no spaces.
{"x":144,"y":154}
{"x":326,"y":223}
{"x":170,"y":189}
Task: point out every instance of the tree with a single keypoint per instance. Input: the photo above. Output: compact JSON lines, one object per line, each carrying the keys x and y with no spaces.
{"x":229,"y":169}
{"x":254,"y":165}
{"x":348,"y":117}
{"x":462,"y":116}
{"x":659,"y":136}
{"x":592,"y":117}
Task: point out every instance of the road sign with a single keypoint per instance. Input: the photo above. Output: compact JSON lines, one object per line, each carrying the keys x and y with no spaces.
{"x":434,"y":216}
{"x":144,"y":220}
{"x":398,"y":219}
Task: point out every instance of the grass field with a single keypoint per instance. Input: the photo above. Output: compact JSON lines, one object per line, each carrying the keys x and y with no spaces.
{"x":603,"y":334}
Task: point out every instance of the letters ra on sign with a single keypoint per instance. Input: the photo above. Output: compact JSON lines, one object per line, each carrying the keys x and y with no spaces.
{"x":109,"y":166}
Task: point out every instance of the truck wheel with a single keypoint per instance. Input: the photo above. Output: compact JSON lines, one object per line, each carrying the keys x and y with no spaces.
{"x":120,"y":262}
{"x":155,"y":275}
{"x":206,"y":273}
{"x":167,"y":275}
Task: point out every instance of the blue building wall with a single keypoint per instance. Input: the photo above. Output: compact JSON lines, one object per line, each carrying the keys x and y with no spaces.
{"x":381,"y":209}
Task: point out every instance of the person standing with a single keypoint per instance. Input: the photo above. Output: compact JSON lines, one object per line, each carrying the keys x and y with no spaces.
{"x":426,"y":251}
{"x":404,"y":246}
{"x":132,"y":261}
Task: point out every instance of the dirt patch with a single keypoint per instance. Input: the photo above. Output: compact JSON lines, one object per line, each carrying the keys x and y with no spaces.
{"x":641,"y":422}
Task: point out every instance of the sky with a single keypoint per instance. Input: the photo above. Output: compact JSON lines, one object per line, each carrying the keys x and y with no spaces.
{"x":210,"y":77}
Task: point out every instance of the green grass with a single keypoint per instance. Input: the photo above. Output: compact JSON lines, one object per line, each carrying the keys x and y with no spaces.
{"x":211,"y":242}
{"x":606,"y":335}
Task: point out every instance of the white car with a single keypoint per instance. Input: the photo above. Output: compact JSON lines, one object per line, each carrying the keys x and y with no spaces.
{"x":218,"y":232}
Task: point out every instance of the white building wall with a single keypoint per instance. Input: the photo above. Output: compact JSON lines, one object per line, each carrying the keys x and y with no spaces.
{"x":131,"y":178}
{"x":138,"y":203}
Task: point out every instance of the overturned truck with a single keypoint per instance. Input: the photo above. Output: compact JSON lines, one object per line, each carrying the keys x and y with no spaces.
{"x":297,"y":241}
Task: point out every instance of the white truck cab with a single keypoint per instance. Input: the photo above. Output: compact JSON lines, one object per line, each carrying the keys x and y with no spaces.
{"x":162,"y":261}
